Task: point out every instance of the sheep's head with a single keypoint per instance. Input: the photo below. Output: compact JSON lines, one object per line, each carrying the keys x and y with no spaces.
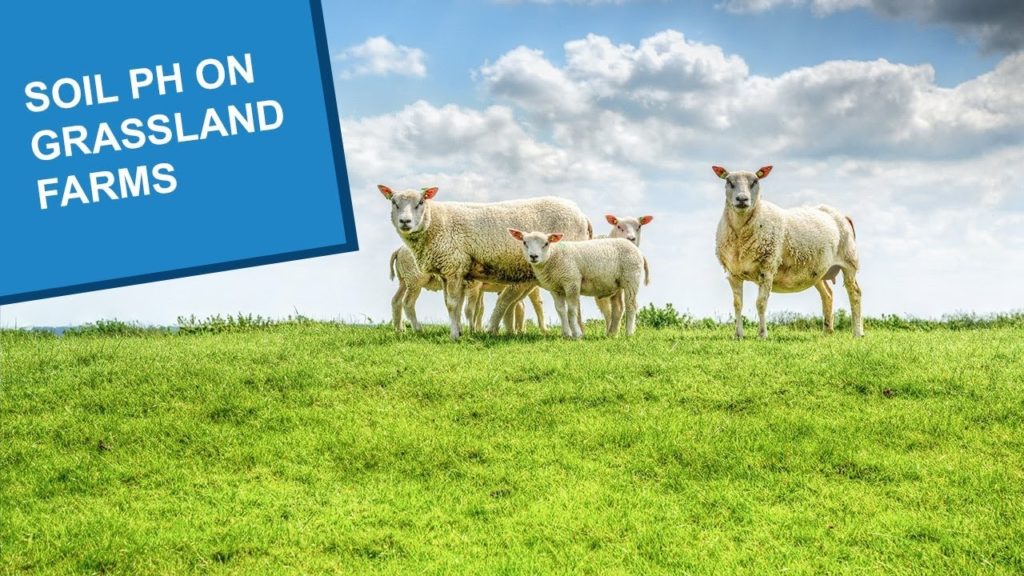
{"x":536,"y":245}
{"x":410,"y":211}
{"x":628,"y":228}
{"x":742,"y":190}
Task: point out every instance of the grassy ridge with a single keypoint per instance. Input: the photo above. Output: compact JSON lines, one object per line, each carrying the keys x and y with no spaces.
{"x":329,"y":448}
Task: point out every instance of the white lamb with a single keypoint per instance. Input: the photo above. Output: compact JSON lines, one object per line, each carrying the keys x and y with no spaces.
{"x":628,"y":228}
{"x":784,"y":250}
{"x":460,"y":242}
{"x":602,"y":267}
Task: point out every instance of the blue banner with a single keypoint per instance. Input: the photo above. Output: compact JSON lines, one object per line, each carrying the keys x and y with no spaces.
{"x":144,"y":141}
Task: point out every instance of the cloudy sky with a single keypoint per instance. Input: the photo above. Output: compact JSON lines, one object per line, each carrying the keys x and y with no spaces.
{"x":906,"y":115}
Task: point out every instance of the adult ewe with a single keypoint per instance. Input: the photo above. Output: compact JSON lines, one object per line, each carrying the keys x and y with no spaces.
{"x":462,"y":241}
{"x":783,"y":250}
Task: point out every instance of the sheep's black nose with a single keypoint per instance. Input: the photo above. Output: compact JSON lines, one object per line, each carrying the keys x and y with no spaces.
{"x":533,"y":258}
{"x":404,"y":221}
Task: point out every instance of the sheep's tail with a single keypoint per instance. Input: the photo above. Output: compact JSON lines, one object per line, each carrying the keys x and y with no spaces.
{"x":394,"y":258}
{"x":848,"y":219}
{"x":647,"y":273}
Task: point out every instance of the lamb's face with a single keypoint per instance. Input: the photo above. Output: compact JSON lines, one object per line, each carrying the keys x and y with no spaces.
{"x":410,"y":211}
{"x":536,"y":245}
{"x":742,"y":189}
{"x":628,"y":228}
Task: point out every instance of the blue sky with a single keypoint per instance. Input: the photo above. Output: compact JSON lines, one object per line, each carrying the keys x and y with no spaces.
{"x":906,"y":115}
{"x":460,"y":36}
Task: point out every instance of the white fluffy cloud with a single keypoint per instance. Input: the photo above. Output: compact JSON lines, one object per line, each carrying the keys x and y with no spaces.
{"x":480,"y":155}
{"x":378,"y":56}
{"x":995,"y":24}
{"x":670,"y":96}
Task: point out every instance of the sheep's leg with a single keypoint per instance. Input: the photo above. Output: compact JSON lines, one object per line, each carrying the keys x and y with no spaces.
{"x":614,"y":316}
{"x":826,"y":304}
{"x":572,"y":298}
{"x":621,"y":298}
{"x":506,"y":298}
{"x":562,"y":314}
{"x":454,"y":295}
{"x":606,"y":306}
{"x":478,"y":318}
{"x":473,"y":293}
{"x":520,"y":317}
{"x":737,"y":304}
{"x":510,"y":319}
{"x":629,"y":295}
{"x":409,"y":302}
{"x":764,"y":289}
{"x":396,"y":307}
{"x":853,"y":290}
{"x":538,"y":309}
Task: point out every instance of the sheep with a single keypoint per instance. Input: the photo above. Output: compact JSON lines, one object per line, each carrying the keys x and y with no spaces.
{"x":410,"y":282}
{"x":784,"y":250}
{"x":514,"y":319}
{"x":628,"y":228}
{"x":460,"y":242}
{"x":602,"y":267}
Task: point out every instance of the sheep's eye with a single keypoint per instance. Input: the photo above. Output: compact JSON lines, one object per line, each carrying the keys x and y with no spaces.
{"x":731,"y":184}
{"x":420,"y":203}
{"x":754,"y":183}
{"x":546,"y":244}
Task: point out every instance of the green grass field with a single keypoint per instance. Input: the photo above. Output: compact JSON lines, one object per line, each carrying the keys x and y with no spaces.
{"x":315,"y":448}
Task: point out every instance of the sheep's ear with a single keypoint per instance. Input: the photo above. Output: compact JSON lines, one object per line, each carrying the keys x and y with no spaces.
{"x":611,"y":219}
{"x":763,"y":172}
{"x":515,"y":233}
{"x":722,"y":172}
{"x":385,"y":191}
{"x":554,"y":237}
{"x":429,"y":193}
{"x":645,"y":220}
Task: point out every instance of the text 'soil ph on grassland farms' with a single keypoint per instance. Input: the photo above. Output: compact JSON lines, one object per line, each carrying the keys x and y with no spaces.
{"x":133,"y":133}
